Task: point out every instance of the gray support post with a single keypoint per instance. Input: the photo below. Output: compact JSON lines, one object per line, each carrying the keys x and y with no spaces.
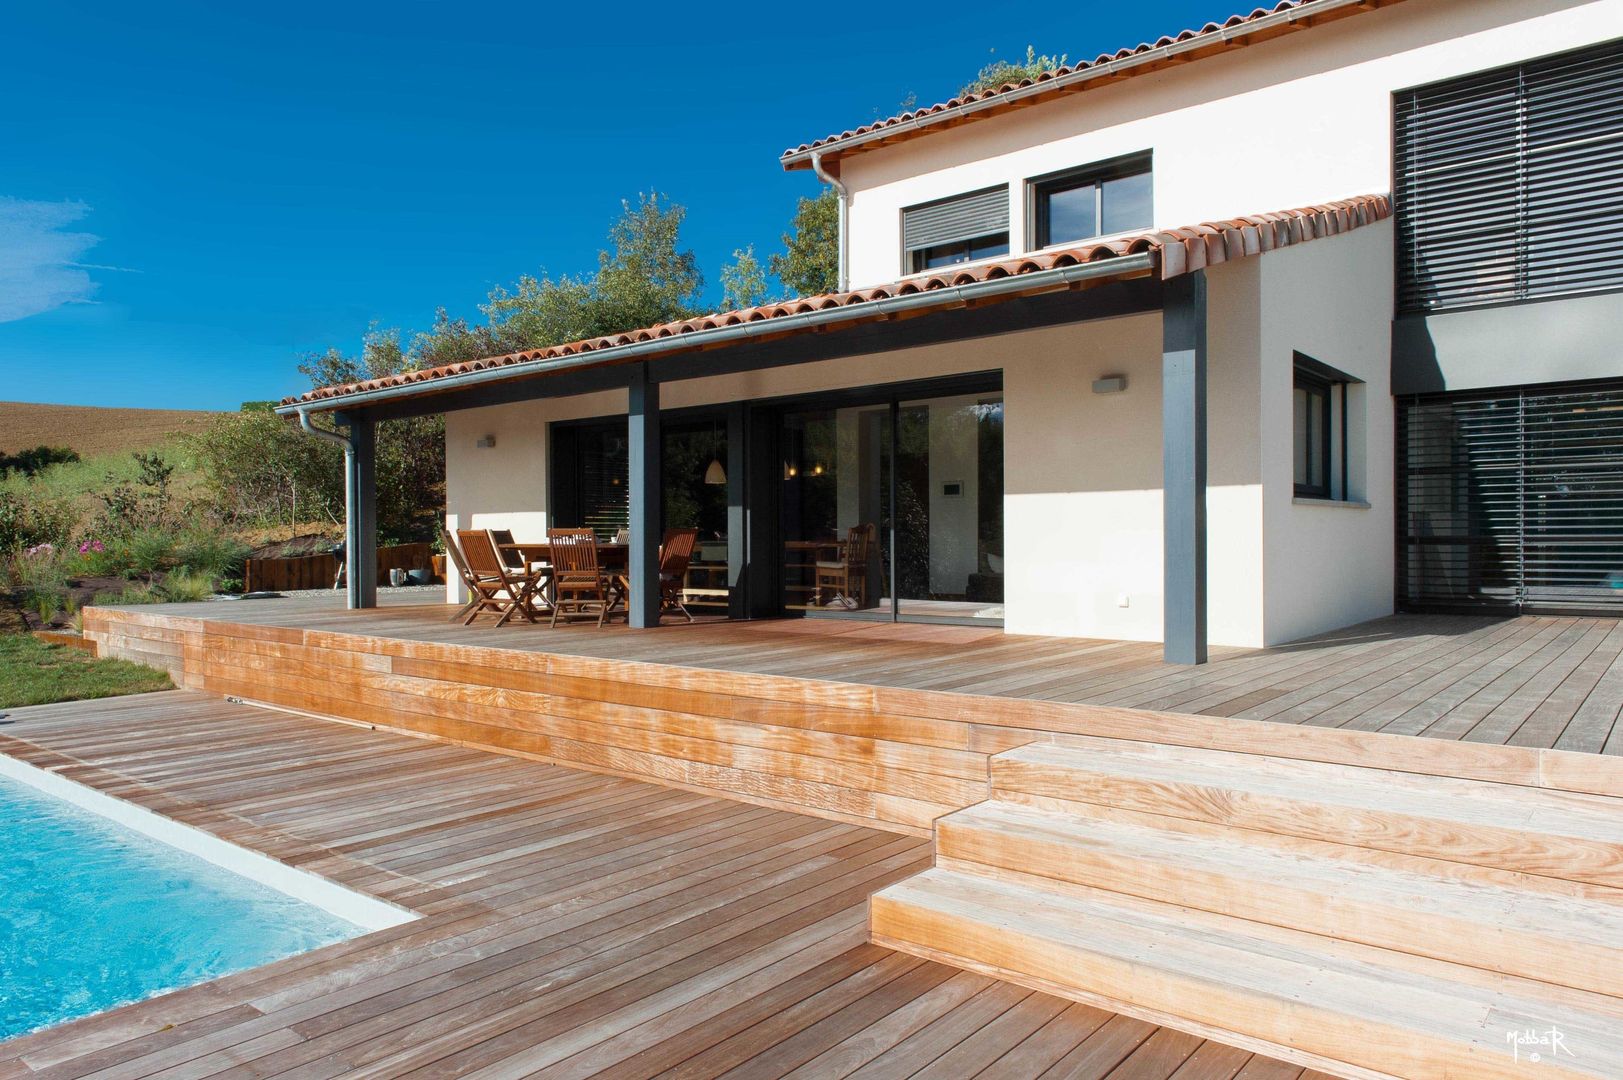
{"x":645,"y":484}
{"x":361,"y":513}
{"x":1183,"y":464}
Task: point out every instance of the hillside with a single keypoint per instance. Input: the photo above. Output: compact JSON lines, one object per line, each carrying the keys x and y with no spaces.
{"x":89,"y":430}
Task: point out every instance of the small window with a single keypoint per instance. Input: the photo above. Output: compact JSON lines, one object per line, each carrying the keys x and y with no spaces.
{"x":1327,"y":447}
{"x":960,"y":229}
{"x":1312,"y":428}
{"x":1099,"y":200}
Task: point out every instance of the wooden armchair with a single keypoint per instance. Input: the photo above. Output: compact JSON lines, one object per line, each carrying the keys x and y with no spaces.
{"x":580,"y":587}
{"x":494,"y":585}
{"x":847,"y":577}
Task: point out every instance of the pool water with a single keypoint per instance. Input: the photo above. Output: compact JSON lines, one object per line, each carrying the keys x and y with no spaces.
{"x":94,"y":915}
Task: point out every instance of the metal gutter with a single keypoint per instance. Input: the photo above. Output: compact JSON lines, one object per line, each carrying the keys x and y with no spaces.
{"x":1037,"y":281}
{"x":1074,"y":79}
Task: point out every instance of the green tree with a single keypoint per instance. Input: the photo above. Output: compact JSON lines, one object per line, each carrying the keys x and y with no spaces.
{"x":810,"y":261}
{"x":451,"y":341}
{"x":262,"y":470}
{"x":645,"y":277}
{"x":1000,"y":73}
{"x":743,"y":282}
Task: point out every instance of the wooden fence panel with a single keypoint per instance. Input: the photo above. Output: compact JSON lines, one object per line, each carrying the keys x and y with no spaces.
{"x":318,"y":571}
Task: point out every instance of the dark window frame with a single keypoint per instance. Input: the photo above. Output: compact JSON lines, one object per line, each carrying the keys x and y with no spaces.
{"x":1040,"y":188}
{"x":1305,"y":379}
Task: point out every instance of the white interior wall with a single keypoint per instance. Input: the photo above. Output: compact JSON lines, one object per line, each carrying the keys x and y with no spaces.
{"x":954,"y":520}
{"x":1290,"y":122}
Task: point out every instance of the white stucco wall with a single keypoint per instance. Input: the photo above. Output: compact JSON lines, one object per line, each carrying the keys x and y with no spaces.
{"x":1289,"y":122}
{"x":1327,"y":564}
{"x":1082,"y":506}
{"x":505,"y":486}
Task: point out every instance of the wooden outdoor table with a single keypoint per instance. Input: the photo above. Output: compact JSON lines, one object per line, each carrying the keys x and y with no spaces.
{"x":609,"y":555}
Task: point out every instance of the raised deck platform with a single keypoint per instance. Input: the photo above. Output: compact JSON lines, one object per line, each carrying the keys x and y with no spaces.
{"x":573,"y":924}
{"x":1038,"y":747}
{"x":1553,"y":683}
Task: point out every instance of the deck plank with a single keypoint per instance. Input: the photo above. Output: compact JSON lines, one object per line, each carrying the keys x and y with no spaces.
{"x":581,"y":924}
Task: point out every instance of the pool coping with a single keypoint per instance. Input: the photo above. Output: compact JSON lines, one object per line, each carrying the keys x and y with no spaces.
{"x":369,"y":913}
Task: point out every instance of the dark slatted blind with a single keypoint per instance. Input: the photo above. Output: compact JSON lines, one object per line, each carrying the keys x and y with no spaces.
{"x":1510,"y":183}
{"x":963,"y":217}
{"x":1512,"y":499}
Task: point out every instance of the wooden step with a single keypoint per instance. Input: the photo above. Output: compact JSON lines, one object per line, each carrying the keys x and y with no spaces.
{"x":1217,"y":977}
{"x":1574,"y":941}
{"x":1528,"y":830}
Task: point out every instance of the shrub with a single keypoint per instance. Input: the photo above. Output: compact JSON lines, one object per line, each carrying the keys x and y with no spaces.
{"x":132,"y":594}
{"x":211,"y":554}
{"x":26,"y":523}
{"x":45,"y":601}
{"x":148,"y":551}
{"x":182,"y":587}
{"x":39,"y":567}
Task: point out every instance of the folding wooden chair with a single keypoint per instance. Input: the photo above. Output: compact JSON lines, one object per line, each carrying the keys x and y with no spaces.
{"x":458,"y":560}
{"x":580,"y":588}
{"x":514,"y":560}
{"x":494,"y":587}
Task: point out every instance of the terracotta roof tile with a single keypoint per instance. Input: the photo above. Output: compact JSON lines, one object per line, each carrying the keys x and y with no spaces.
{"x":1237,"y":30}
{"x":1177,"y":251}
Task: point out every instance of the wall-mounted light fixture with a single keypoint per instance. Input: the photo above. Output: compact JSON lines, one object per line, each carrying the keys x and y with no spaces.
{"x":1110,"y":384}
{"x":486,"y":442}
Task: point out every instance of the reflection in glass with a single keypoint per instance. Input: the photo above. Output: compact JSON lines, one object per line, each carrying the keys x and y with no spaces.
{"x":1126,"y":202}
{"x":1072,"y":215}
{"x":949,"y":507}
{"x":835,"y":480}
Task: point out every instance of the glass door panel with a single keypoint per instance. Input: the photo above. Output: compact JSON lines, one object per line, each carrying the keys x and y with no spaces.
{"x":949,"y":497}
{"x":693,"y":489}
{"x":835,"y":499}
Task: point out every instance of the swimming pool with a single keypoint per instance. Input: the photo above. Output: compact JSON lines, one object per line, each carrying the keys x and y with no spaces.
{"x":95,"y":914}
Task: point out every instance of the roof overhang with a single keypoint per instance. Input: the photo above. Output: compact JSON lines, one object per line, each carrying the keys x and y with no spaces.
{"x":738,"y":336}
{"x":969,"y":294}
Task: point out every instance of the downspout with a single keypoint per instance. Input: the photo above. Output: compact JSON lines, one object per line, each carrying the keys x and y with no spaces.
{"x":844,"y":194}
{"x":350,"y":560}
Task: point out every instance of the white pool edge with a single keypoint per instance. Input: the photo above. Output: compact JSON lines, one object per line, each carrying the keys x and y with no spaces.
{"x":367,"y":912}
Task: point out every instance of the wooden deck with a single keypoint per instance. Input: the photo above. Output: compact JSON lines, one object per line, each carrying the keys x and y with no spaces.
{"x":572,"y":923}
{"x":1537,"y":682}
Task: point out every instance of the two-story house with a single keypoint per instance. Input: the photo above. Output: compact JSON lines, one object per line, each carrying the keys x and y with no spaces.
{"x":1240,"y":335}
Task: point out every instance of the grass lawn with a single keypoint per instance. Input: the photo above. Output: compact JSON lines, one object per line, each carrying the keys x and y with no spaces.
{"x":35,"y":673}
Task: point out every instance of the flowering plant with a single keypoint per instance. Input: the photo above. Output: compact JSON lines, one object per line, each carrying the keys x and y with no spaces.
{"x":92,"y":545}
{"x":41,"y":550}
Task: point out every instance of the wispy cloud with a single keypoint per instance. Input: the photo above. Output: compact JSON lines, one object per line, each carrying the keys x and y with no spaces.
{"x":39,"y":257}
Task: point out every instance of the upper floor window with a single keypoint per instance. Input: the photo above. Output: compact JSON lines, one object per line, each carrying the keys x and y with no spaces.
{"x":1099,"y":200}
{"x":1507,"y":183}
{"x":955,"y":230}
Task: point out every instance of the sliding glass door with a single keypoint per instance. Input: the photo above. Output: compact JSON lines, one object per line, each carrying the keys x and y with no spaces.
{"x":590,"y":488}
{"x":893,"y":508}
{"x":949,"y":499}
{"x":834,"y":502}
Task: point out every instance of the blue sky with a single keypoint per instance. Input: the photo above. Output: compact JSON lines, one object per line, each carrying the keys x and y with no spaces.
{"x":192,"y":195}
